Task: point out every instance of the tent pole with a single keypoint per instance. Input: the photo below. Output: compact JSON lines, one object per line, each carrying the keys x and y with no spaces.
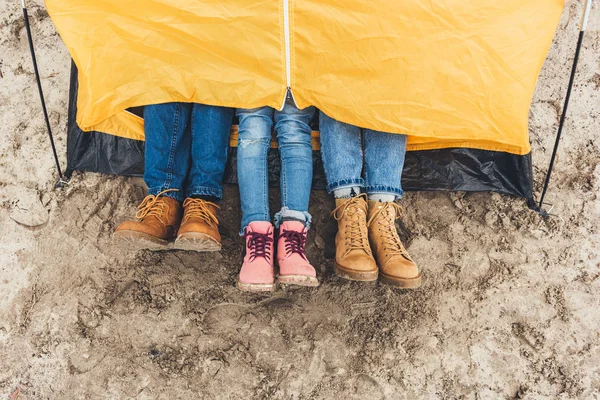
{"x":62,"y":180}
{"x":584,"y":22}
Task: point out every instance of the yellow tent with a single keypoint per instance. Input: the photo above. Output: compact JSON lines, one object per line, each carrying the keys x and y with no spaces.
{"x":449,"y":73}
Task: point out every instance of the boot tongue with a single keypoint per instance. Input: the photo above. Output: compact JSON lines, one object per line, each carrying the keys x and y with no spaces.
{"x":296,"y":226}
{"x":263,"y":227}
{"x":374,"y":206}
{"x":292,"y":239}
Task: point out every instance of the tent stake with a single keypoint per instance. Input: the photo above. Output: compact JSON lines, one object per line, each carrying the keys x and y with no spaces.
{"x":584,"y":22}
{"x":62,"y":180}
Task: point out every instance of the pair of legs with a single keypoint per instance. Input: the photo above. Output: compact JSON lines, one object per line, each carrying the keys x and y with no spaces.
{"x":185,"y":156}
{"x":292,"y":127}
{"x":293,"y":130}
{"x":360,"y":166}
{"x":346,"y":153}
{"x":186,"y":149}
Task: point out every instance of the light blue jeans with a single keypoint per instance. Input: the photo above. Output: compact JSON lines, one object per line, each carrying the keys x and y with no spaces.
{"x":295,"y":149}
{"x":346,"y":153}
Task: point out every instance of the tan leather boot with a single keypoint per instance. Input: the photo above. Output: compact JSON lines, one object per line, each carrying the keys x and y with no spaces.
{"x":353,"y":256}
{"x":395,"y":265}
{"x":158,"y":219}
{"x":199,"y":230}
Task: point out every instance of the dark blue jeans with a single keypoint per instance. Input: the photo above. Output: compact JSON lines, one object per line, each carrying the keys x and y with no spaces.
{"x":186,"y":149}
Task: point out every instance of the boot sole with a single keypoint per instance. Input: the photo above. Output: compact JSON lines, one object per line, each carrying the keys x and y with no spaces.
{"x":361,"y":276}
{"x":300,"y":280}
{"x":255,"y":287}
{"x":404,"y":283}
{"x":135,"y":241}
{"x":196,"y":241}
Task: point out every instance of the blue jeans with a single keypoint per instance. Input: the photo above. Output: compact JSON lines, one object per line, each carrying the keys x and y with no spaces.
{"x":295,"y":149}
{"x":342,"y":147}
{"x":186,"y":149}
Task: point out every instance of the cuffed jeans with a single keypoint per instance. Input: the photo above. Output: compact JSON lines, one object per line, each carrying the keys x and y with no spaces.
{"x":346,"y":153}
{"x":295,"y":148}
{"x":186,"y":149}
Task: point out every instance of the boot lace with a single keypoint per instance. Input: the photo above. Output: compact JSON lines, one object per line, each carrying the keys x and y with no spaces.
{"x":198,"y":208}
{"x":259,"y":245}
{"x":295,"y":242}
{"x":356,"y":236}
{"x":153,"y":206}
{"x":385,"y":217}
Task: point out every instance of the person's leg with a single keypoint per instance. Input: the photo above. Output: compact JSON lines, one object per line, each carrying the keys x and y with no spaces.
{"x":384,"y":161}
{"x":341,"y":150}
{"x":210,"y":128}
{"x":293,"y":221}
{"x":253,"y":180}
{"x":167,"y":148}
{"x":167,"y":160}
{"x":295,"y":149}
{"x":257,"y":272}
{"x":342,"y":155}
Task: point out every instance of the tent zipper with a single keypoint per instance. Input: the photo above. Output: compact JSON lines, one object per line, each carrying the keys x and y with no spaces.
{"x":288,"y":52}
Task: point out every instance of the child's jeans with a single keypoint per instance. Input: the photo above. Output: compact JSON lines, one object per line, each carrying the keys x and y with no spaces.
{"x":346,"y":154}
{"x":186,"y":148}
{"x":295,"y":148}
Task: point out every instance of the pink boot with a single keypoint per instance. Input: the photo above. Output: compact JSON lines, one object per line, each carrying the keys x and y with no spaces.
{"x":257,"y":274}
{"x":294,"y":268}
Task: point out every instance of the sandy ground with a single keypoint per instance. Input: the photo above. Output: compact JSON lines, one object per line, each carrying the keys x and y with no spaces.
{"x":510,"y":306}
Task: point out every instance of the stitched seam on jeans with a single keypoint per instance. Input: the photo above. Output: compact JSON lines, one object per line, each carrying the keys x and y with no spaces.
{"x":346,"y":183}
{"x":361,"y":139}
{"x":172,"y":150}
{"x":265,"y":179}
{"x":204,"y":191}
{"x":283,"y":172}
{"x":380,"y":189}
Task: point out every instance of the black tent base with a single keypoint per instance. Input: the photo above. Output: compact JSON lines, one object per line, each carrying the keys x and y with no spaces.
{"x":457,"y":169}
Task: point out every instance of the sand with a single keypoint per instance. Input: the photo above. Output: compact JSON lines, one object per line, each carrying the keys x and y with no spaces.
{"x":510,"y":306}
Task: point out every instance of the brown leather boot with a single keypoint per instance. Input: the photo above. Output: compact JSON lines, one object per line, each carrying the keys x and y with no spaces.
{"x":353,"y":256}
{"x":158,"y":219}
{"x":199,"y":230}
{"x":395,"y":265}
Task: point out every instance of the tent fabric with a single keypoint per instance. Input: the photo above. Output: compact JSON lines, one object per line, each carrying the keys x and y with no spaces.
{"x":448,"y":73}
{"x":443,"y":169}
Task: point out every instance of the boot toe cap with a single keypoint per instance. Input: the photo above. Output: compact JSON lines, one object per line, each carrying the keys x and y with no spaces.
{"x":301,"y":269}
{"x":257,"y":274}
{"x":402,"y":270}
{"x":147,"y":228}
{"x":360,"y":263}
{"x":128,"y":226}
